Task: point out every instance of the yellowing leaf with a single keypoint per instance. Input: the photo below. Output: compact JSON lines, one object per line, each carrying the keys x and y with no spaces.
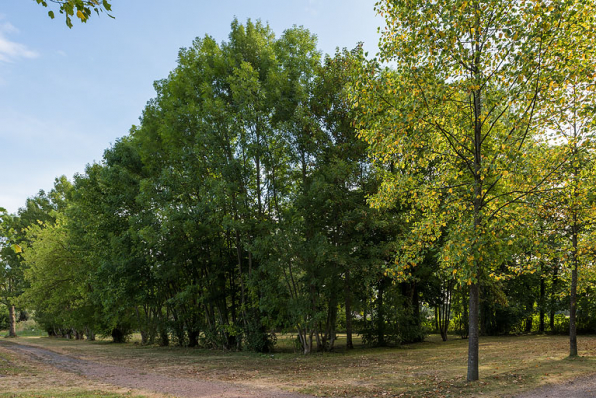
{"x":81,"y":15}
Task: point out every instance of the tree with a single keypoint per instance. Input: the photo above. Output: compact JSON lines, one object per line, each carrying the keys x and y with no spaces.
{"x":101,"y":230}
{"x":462,"y":104}
{"x":81,"y":8}
{"x":57,"y":281}
{"x":570,"y":119}
{"x":12,"y":241}
{"x":10,"y":273}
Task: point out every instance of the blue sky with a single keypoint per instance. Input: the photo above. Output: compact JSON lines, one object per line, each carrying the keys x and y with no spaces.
{"x":67,"y":94}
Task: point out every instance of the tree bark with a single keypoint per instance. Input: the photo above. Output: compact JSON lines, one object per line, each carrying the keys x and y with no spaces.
{"x":473,"y":332}
{"x":573,"y":298}
{"x":12,"y":331}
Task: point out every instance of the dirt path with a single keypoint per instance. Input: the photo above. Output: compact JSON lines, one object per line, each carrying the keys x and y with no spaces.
{"x":128,"y":377}
{"x":583,"y":387}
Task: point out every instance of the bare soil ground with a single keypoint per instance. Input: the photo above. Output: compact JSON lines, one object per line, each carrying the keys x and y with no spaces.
{"x":136,"y":380}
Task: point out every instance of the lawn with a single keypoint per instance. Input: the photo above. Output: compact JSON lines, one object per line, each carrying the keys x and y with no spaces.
{"x":508,"y":365}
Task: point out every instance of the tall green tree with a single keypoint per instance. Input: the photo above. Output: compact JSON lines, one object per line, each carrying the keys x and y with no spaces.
{"x":13,"y":227}
{"x":10,"y":272}
{"x":570,"y":204}
{"x":463,"y":101}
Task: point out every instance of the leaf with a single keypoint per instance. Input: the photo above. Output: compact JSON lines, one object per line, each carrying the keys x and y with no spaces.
{"x":81,"y":16}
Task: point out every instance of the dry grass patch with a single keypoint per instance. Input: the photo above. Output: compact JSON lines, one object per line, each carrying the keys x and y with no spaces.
{"x":508,"y":365}
{"x":23,"y":377}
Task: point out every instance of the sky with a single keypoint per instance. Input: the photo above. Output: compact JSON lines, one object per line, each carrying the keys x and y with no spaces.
{"x":66,"y":95}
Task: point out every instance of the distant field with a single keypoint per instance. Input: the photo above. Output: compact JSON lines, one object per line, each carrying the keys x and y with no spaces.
{"x":508,"y":365}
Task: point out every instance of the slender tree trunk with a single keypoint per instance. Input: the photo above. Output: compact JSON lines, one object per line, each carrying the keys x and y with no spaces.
{"x":443,"y":312}
{"x":573,"y":298}
{"x":330,"y":332}
{"x":320,"y":342}
{"x":553,"y":298}
{"x":473,"y":335}
{"x":530,"y":317}
{"x":258,"y":166}
{"x":241,"y":277}
{"x":142,"y":328}
{"x":381,"y":314}
{"x":12,"y":331}
{"x":542,"y":312}
{"x":415,"y":302}
{"x":474,"y":303}
{"x":348,"y":305}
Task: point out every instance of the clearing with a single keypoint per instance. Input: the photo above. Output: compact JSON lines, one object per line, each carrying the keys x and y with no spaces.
{"x":510,"y":367}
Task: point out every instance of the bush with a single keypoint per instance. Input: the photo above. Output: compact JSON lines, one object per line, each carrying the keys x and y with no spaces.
{"x":121,"y":334}
{"x":4,"y":320}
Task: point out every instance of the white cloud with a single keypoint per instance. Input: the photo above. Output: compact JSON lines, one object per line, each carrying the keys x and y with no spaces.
{"x":11,"y":51}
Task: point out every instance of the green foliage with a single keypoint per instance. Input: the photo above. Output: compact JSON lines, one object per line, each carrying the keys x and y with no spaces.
{"x":453,"y":129}
{"x":81,"y":9}
{"x":239,"y":207}
{"x":4,"y":321}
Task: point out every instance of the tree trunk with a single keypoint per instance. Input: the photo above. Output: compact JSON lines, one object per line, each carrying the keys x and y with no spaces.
{"x":241,"y":277}
{"x":530,"y":316}
{"x":12,"y":331}
{"x":443,"y":311}
{"x":348,"y":305}
{"x":553,"y":299}
{"x":542,"y":313}
{"x":306,"y":340}
{"x":331,"y":324}
{"x":90,"y":334}
{"x":473,"y":332}
{"x":573,"y":298}
{"x":381,"y":314}
{"x":142,"y":326}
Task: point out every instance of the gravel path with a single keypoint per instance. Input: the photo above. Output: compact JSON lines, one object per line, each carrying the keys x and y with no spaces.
{"x":141,"y":380}
{"x":583,"y":387}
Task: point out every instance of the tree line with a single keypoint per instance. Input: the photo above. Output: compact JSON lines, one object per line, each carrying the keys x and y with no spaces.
{"x":240,"y":206}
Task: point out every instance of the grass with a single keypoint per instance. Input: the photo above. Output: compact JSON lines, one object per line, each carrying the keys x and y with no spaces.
{"x":27,"y":329}
{"x":22,"y":377}
{"x":9,"y":365}
{"x":63,"y":394}
{"x":508,"y":365}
